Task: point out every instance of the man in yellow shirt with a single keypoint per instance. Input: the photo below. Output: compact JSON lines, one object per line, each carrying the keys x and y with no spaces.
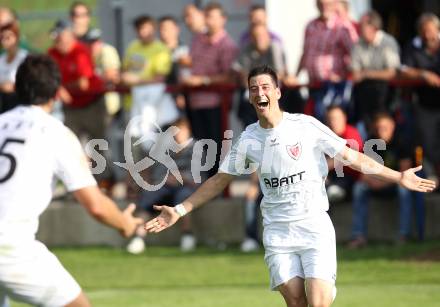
{"x":147,"y":60}
{"x":146,"y":64}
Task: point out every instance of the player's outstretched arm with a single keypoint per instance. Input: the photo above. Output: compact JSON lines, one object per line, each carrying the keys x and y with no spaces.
{"x":408,"y":179}
{"x":104,"y":210}
{"x":207,"y":191}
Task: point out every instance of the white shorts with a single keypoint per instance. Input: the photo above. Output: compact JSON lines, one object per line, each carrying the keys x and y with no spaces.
{"x":304,"y":248}
{"x":37,"y":278}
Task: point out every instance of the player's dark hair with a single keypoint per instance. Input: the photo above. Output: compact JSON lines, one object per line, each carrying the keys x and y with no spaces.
{"x":143,"y":19}
{"x":264,"y":70}
{"x":38,"y":79}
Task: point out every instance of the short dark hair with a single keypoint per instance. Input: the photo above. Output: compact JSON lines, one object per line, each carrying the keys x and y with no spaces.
{"x":38,"y":79}
{"x":264,"y":70}
{"x":168,"y":18}
{"x":143,"y":19}
{"x":373,"y":18}
{"x":75,"y":4}
{"x":256,"y":7}
{"x":215,"y":6}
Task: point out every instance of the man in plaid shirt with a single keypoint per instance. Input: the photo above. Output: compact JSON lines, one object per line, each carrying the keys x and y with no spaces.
{"x":212,"y":55}
{"x":327,"y":45}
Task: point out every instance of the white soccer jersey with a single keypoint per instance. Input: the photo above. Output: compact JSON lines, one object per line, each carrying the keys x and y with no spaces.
{"x":34,"y":146}
{"x":291,"y":165}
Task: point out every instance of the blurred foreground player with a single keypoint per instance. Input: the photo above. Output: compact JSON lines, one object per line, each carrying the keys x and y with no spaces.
{"x":288,"y":153}
{"x":35,"y":147}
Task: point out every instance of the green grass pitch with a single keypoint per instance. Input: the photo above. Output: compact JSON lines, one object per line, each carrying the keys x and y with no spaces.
{"x":379,"y":276}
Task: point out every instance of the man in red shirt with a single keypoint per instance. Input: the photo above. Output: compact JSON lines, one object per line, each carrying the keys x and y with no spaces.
{"x":81,"y":90}
{"x":339,"y":184}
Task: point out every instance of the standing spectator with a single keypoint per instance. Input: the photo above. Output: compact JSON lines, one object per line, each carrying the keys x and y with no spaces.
{"x":398,"y":154}
{"x":107,"y":67}
{"x":9,"y":62}
{"x":146,"y":64}
{"x":257,"y":15}
{"x":80,"y":18}
{"x":194,"y":19}
{"x":339,"y":185}
{"x":343,"y":12}
{"x":260,"y":50}
{"x":169,"y":32}
{"x":81,"y":91}
{"x":374,"y":61}
{"x":326,"y":54}
{"x":422,"y":62}
{"x":212,"y":56}
{"x":146,"y":60}
{"x":6,"y":17}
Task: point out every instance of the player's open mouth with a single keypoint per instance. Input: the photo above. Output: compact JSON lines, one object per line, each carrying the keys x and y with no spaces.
{"x":263,"y":103}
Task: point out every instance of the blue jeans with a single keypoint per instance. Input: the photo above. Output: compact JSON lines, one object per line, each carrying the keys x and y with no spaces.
{"x":361,"y":196}
{"x":330,"y":93}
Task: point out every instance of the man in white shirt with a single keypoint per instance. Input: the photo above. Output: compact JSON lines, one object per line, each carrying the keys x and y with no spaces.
{"x":288,"y":152}
{"x":34,"y":148}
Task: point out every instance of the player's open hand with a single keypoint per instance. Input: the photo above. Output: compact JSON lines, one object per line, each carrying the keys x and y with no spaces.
{"x":132,"y":221}
{"x":167,"y":217}
{"x":413,"y":182}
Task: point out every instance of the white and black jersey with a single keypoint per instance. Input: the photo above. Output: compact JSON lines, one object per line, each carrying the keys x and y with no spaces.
{"x":34,"y":148}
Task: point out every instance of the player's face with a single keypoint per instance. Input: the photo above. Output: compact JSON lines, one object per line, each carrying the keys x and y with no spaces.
{"x":263,"y":94}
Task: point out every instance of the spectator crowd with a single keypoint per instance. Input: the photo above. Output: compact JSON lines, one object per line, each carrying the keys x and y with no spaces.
{"x":354,"y":70}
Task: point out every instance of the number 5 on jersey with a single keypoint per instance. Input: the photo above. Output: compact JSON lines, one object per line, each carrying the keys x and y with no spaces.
{"x":10,"y":157}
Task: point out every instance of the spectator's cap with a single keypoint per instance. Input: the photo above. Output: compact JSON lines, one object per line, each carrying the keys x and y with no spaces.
{"x":59,"y":26}
{"x":93,"y":35}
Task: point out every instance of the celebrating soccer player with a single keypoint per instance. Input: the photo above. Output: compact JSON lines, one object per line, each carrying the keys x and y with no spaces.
{"x":288,"y":153}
